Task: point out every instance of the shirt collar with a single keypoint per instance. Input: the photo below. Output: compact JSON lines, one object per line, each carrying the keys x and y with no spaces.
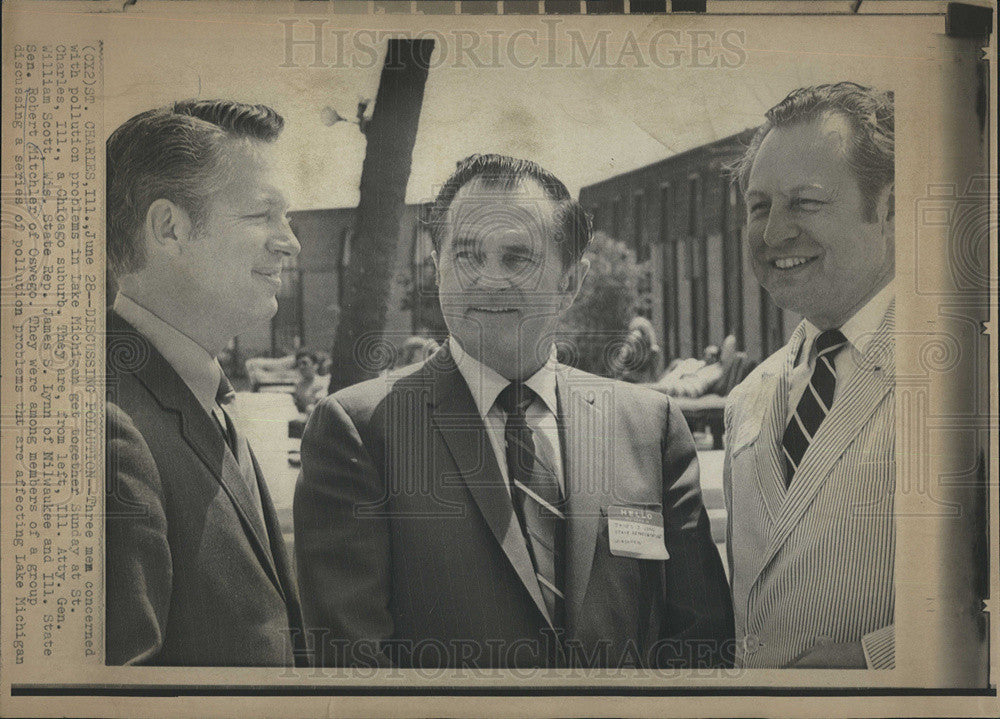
{"x":861,"y":327}
{"x":199,"y":370}
{"x":486,"y":384}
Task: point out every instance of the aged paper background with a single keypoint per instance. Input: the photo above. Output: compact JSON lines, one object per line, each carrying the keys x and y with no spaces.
{"x":583,"y":118}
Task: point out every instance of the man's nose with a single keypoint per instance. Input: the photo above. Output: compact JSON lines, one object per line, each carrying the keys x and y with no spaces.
{"x":284,"y":241}
{"x":781,"y":227}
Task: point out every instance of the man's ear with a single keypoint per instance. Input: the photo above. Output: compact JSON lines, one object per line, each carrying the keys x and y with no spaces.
{"x":168,"y":226}
{"x":572,"y":281}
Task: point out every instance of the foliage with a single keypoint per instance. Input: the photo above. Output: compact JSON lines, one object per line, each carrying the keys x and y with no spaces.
{"x":596,"y":325}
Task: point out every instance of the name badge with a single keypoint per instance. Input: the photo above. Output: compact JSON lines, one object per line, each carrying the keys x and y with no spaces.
{"x":636,"y":532}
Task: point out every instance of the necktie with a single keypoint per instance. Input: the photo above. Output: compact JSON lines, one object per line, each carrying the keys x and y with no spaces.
{"x":223,"y":396}
{"x":537,"y":500}
{"x":815,"y":403}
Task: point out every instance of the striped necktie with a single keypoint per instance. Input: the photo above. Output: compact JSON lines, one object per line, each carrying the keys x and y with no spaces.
{"x":538,"y":501}
{"x":817,"y":399}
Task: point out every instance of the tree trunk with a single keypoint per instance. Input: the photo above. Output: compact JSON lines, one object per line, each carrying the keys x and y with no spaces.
{"x":359,"y":349}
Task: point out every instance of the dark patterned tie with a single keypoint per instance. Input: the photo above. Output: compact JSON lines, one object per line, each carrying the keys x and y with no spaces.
{"x":537,"y":500}
{"x":223,"y":396}
{"x":815,"y":403}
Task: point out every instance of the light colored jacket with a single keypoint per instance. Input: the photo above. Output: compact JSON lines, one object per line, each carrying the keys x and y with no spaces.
{"x":814,"y":563}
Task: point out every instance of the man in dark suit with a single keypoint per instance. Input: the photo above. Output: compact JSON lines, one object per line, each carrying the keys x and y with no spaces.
{"x":491,"y":507}
{"x":196,"y":567}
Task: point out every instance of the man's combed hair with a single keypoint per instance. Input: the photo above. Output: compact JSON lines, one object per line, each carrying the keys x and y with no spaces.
{"x":871,"y":153}
{"x":507,"y":173}
{"x":173,"y":153}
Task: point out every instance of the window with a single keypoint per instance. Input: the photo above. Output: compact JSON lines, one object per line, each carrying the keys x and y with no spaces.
{"x":641,"y":245}
{"x":671,"y":317}
{"x":286,"y":323}
{"x":732,"y":261}
{"x":694,"y":205}
{"x":772,"y":325}
{"x":698,"y":270}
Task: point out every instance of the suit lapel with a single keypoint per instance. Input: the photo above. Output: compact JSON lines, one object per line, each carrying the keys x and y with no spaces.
{"x":767,"y":448}
{"x":277,"y":554}
{"x":770,"y":455}
{"x":240,"y":474}
{"x":283,"y":576}
{"x":202,"y":434}
{"x":860,"y":397}
{"x":579,"y":429}
{"x":456,"y":417}
{"x":264,"y":523}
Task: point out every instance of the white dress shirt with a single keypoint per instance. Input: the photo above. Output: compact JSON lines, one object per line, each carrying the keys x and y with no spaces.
{"x":486,"y":385}
{"x":858,"y":330}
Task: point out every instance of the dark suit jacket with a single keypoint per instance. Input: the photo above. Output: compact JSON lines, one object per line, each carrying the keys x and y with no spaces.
{"x":193,"y":578}
{"x":409,"y":550}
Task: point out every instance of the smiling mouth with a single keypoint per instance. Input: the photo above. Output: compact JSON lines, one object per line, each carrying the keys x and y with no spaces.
{"x":274,"y":276}
{"x":790,"y":263}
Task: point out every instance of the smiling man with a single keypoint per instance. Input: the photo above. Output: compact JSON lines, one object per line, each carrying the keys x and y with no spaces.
{"x":810,"y":469}
{"x":491,"y":507}
{"x":196,"y":569}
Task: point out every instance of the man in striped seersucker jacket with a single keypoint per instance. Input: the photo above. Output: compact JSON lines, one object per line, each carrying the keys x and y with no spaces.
{"x":810,"y":468}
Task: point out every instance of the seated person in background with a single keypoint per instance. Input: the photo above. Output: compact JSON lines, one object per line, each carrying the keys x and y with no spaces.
{"x":311,"y":386}
{"x":688,"y":365}
{"x":639,"y":358}
{"x":694,"y":377}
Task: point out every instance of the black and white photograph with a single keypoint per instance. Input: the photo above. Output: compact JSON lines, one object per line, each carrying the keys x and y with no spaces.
{"x":506,"y":358}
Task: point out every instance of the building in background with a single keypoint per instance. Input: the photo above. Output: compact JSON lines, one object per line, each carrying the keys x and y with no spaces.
{"x":685,"y":217}
{"x":682,"y":216}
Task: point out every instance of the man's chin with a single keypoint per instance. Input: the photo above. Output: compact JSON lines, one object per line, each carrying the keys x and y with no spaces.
{"x":797,"y":300}
{"x":256,"y":314}
{"x":498,"y":358}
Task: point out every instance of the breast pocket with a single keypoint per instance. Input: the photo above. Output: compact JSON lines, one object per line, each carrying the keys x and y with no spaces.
{"x":744,"y":434}
{"x":748,"y":412}
{"x":623,"y":592}
{"x":742,"y":438}
{"x":748,"y":522}
{"x":743,"y":460}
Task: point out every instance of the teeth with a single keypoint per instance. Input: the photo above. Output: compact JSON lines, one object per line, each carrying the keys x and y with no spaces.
{"x":786,"y":263}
